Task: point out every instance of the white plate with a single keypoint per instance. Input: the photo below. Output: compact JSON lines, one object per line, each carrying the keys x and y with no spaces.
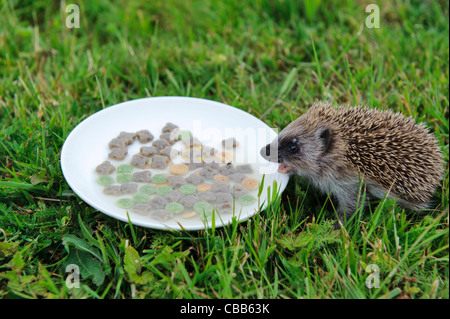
{"x":211,"y":122}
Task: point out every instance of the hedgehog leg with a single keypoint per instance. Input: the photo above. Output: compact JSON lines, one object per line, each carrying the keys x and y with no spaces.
{"x":348,"y":199}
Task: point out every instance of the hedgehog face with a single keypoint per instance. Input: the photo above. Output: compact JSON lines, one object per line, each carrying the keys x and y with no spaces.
{"x":299,"y":149}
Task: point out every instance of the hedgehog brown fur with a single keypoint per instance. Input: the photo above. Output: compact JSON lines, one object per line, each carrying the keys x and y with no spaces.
{"x":336,"y":148}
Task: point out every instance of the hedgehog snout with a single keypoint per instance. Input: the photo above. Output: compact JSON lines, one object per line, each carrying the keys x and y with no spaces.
{"x":270,"y":152}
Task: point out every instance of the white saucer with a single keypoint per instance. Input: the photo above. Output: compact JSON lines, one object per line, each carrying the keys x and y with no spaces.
{"x":87,"y":146}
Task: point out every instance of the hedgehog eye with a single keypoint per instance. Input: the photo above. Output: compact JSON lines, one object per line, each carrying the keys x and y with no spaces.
{"x":293,"y":147}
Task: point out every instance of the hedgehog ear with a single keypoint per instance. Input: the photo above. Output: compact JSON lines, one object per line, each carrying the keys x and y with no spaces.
{"x":326,"y":136}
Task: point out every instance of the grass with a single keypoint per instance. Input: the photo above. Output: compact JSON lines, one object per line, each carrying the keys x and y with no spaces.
{"x":271,"y":58}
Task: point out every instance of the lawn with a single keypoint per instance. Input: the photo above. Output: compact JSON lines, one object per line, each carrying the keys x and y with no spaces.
{"x":271,"y":58}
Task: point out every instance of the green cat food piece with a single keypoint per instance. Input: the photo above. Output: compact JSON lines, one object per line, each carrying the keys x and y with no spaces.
{"x":124,"y":203}
{"x":163,"y":190}
{"x":187,"y":189}
{"x":247,"y":199}
{"x":159,"y":179}
{"x":124,"y":178}
{"x":147,"y":189}
{"x":105,"y":180}
{"x":124,"y":168}
{"x":203,"y":207}
{"x":141,"y":198}
{"x":175,"y":208}
{"x":184,"y":134}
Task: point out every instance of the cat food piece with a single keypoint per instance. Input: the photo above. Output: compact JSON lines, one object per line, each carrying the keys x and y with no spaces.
{"x":147,"y":189}
{"x":161,"y":215}
{"x":160,"y":144}
{"x":174,"y":196}
{"x":148,"y":151}
{"x":189,"y":200}
{"x":169,"y":151}
{"x":139,"y":161}
{"x":141,"y":198}
{"x":142,"y":177}
{"x":204,"y":187}
{"x":221,"y":179}
{"x":129,"y":188}
{"x":227,"y":169}
{"x":160,"y":161}
{"x":206,"y":196}
{"x":124,"y":178}
{"x":239,"y":190}
{"x":224,"y":198}
{"x":144,"y":136}
{"x":244,"y":169}
{"x":230,"y":143}
{"x":220,"y":188}
{"x":179,"y":169}
{"x":163,"y":190}
{"x":188,"y":214}
{"x":175,"y":208}
{"x":250,"y":183}
{"x":112,"y":190}
{"x":203,"y":207}
{"x":176,"y":181}
{"x":195,"y":179}
{"x":169,"y":127}
{"x":141,"y":208}
{"x":187,"y":189}
{"x":208,"y":172}
{"x":124,"y":168}
{"x":158,"y":202}
{"x":118,"y":153}
{"x":224,"y":207}
{"x":169,"y":137}
{"x":159,"y":179}
{"x":105,"y":168}
{"x":247,"y":199}
{"x":118,"y":143}
{"x":236,"y":177}
{"x":128,"y":137}
{"x":124,"y":203}
{"x":105,"y":180}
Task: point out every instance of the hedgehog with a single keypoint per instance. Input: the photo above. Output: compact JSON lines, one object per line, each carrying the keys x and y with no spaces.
{"x":338,"y":149}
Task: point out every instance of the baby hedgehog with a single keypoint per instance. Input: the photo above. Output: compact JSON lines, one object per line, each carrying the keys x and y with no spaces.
{"x":335,"y":148}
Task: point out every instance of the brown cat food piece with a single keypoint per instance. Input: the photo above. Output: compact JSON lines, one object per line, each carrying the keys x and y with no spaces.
{"x":118,"y":153}
{"x":195,"y":179}
{"x":160,"y":144}
{"x":158,"y":202}
{"x":129,"y":188}
{"x":169,"y":127}
{"x":118,"y":143}
{"x":161,"y":215}
{"x":141,"y":208}
{"x":112,"y":190}
{"x":149,"y":151}
{"x":129,"y":137}
{"x":139,"y":161}
{"x":144,"y":136}
{"x":175,"y":181}
{"x":188,"y":201}
{"x":105,"y":168}
{"x":160,"y":161}
{"x":142,"y":177}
